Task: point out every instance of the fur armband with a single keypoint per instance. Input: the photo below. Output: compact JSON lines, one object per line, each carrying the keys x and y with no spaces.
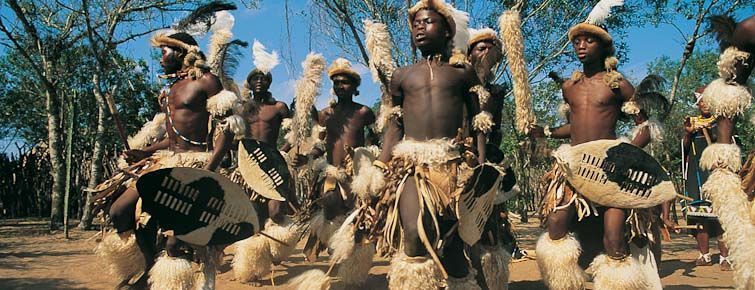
{"x":223,"y":104}
{"x":386,"y":115}
{"x":483,"y":122}
{"x":319,"y":145}
{"x":728,"y":60}
{"x":612,"y":78}
{"x":151,"y":133}
{"x":236,"y":125}
{"x":286,"y":124}
{"x":726,"y":99}
{"x":656,"y":130}
{"x":369,"y":181}
{"x":564,"y":110}
{"x":630,"y":108}
{"x":482,"y":94}
{"x":721,"y":156}
{"x":317,"y":130}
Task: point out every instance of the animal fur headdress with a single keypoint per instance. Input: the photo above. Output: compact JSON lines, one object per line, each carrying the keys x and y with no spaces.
{"x":342,"y":66}
{"x":458,"y":21}
{"x":482,"y":34}
{"x":179,"y":36}
{"x":594,"y":24}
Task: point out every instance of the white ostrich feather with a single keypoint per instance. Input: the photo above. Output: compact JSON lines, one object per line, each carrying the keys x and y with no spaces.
{"x":263,"y":60}
{"x":602,"y":10}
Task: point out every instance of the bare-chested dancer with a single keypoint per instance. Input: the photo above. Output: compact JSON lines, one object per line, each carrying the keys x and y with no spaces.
{"x":193,"y":97}
{"x":432,"y":96}
{"x":596,"y":97}
{"x":264,"y":115}
{"x":728,"y":97}
{"x":489,"y":257}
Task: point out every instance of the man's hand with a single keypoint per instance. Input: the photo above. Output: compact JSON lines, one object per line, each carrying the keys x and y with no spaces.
{"x":299,"y":160}
{"x":670,"y":225}
{"x":536,"y":132}
{"x":688,"y":126}
{"x":134,"y":155}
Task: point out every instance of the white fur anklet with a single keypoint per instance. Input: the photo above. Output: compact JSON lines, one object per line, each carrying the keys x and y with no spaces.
{"x":495,"y":267}
{"x":466,"y":283}
{"x":623,"y":274}
{"x":171,"y":273}
{"x":287,"y":232}
{"x":252,"y":260}
{"x":311,"y":280}
{"x":413,"y":273}
{"x":121,"y":255}
{"x":558,"y":262}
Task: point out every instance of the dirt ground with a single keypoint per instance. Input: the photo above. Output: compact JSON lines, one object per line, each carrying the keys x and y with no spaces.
{"x":32,"y":258}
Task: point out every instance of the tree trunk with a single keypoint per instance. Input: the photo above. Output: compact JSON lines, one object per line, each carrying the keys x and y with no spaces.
{"x":56,"y":159}
{"x":96,"y":169}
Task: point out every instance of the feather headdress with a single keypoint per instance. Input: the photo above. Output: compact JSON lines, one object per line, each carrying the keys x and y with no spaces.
{"x":307,"y":88}
{"x":457,"y":20}
{"x":264,"y":61}
{"x":594,"y":24}
{"x":200,"y":20}
{"x":378,"y":43}
{"x":511,"y":32}
{"x":724,"y":27}
{"x":224,"y":53}
{"x":649,"y":96}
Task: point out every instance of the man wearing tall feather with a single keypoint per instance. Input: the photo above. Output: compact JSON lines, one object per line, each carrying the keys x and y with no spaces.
{"x":612,"y":239}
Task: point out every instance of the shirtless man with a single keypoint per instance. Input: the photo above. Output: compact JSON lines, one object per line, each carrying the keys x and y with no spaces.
{"x":186,"y":102}
{"x":727,"y":98}
{"x":432,"y":95}
{"x":597,"y":96}
{"x":255,"y":256}
{"x":484,"y":53}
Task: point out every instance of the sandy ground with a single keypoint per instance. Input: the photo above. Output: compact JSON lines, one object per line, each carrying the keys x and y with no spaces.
{"x":32,"y":258}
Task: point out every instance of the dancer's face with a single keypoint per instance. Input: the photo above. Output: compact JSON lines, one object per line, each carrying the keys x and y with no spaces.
{"x":480,"y":49}
{"x":344,"y":86}
{"x":589,"y":48}
{"x":259,"y":83}
{"x":430,"y":31}
{"x":171,"y":59}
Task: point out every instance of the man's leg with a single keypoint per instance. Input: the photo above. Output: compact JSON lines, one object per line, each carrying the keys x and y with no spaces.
{"x":558,"y":252}
{"x":411,"y":268}
{"x":617,"y":269}
{"x":120,"y":249}
{"x":703,"y":245}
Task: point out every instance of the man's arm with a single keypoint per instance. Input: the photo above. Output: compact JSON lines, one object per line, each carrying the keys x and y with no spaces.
{"x":223,"y":141}
{"x":394,"y":131}
{"x":475,"y":109}
{"x":369,"y":119}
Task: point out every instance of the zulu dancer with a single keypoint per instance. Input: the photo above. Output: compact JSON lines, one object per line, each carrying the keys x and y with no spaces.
{"x":596,"y":96}
{"x":423,"y":162}
{"x":256,"y":255}
{"x":700,"y":132}
{"x":346,"y":129}
{"x":728,"y":97}
{"x":182,"y":136}
{"x":488,"y":256}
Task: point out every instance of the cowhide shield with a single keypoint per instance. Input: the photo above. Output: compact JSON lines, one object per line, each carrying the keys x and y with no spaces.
{"x":200,"y":206}
{"x":264,"y":170}
{"x":616,"y":174}
{"x":476,"y":202}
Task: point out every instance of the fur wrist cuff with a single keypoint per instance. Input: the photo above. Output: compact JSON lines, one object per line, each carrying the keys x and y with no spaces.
{"x":726,"y":99}
{"x":236,"y":125}
{"x":483,"y":122}
{"x":482,"y":94}
{"x":656,"y":130}
{"x":721,"y":156}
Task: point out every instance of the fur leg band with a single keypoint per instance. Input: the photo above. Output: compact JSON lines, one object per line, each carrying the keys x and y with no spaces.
{"x":730,"y":203}
{"x":464,"y":283}
{"x":557,"y":261}
{"x":121,"y":254}
{"x":413,"y":273}
{"x":287,"y":232}
{"x":311,"y":280}
{"x":483,"y":122}
{"x":495,"y":267}
{"x":623,"y":274}
{"x":252,"y":260}
{"x":726,"y":99}
{"x":721,"y":156}
{"x":171,"y":273}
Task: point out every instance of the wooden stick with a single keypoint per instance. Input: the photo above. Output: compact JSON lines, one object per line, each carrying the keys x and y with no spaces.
{"x":117,"y":118}
{"x":274,"y":239}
